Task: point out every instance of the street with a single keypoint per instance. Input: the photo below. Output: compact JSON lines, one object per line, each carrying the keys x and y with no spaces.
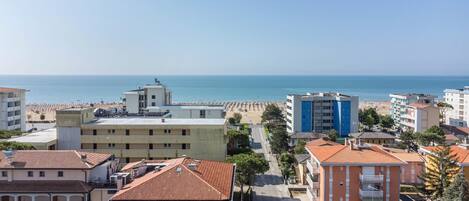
{"x":269,"y":186}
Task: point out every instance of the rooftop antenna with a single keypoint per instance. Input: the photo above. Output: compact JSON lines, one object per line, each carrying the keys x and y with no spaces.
{"x":157,"y":81}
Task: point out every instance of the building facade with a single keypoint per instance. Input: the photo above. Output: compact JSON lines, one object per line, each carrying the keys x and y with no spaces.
{"x":136,"y":138}
{"x":459,"y":100}
{"x":419,"y":117}
{"x":321,"y":112}
{"x":12,"y":109}
{"x":68,"y":175}
{"x":155,"y":100}
{"x":401,"y":101}
{"x":351,"y":172}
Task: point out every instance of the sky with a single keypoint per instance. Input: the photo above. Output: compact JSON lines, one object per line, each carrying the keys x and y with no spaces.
{"x":246,"y":37}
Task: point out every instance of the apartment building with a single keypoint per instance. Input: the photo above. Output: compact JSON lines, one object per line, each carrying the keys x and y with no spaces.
{"x":321,"y":112}
{"x":12,"y":109}
{"x":351,"y":172}
{"x":155,"y":100}
{"x":179,"y":179}
{"x":419,"y":117}
{"x":462,"y":154}
{"x":400,"y":102}
{"x":459,"y":100}
{"x":136,"y":138}
{"x":67,"y":175}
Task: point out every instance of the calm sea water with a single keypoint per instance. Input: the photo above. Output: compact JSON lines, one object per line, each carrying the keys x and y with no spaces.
{"x":62,"y":89}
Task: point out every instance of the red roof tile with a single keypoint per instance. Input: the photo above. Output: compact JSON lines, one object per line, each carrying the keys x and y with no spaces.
{"x":210,"y":180}
{"x":462,"y":154}
{"x":8,"y":90}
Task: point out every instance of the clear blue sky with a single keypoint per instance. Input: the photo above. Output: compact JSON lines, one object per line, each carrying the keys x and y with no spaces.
{"x":399,"y":37}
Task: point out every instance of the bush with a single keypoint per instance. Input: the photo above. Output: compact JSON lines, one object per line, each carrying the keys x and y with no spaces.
{"x":15,"y":146}
{"x":4,"y":134}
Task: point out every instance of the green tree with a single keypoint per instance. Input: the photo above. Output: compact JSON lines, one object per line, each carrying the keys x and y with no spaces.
{"x":369,"y":117}
{"x":5,"y":134}
{"x":15,"y":146}
{"x":433,"y":135}
{"x":442,"y":167}
{"x":237,"y":139}
{"x":386,"y":122}
{"x":232,"y":121}
{"x":332,"y":135}
{"x":408,"y":140}
{"x":279,"y":140}
{"x":444,"y":107}
{"x":272,"y":113}
{"x":458,"y":190}
{"x":300,"y":147}
{"x":369,"y":122}
{"x":247,"y":167}
{"x":286,"y":164}
{"x":237,"y":117}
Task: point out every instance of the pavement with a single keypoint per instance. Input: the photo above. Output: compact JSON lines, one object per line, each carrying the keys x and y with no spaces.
{"x":269,"y":186}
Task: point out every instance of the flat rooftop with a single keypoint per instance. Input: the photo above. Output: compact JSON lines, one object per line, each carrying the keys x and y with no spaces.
{"x":157,"y":121}
{"x":43,"y":136}
{"x":187,"y":107}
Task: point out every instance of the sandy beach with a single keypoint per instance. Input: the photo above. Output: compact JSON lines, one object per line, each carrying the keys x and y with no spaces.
{"x":250,"y":110}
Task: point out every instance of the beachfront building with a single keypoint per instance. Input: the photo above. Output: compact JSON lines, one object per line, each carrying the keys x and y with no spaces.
{"x":136,"y":138}
{"x":40,"y":140}
{"x":401,"y":101}
{"x":351,"y":172}
{"x":459,"y":100}
{"x":419,"y":117}
{"x":67,"y":175}
{"x":12,"y":109}
{"x":179,"y":179}
{"x":321,"y":112}
{"x":155,"y":100}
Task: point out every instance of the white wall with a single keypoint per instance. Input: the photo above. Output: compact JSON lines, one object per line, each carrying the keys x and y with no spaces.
{"x":131,"y":102}
{"x":68,"y":138}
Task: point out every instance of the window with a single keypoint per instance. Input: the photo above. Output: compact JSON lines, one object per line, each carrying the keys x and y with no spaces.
{"x":153,"y":104}
{"x":127,"y":132}
{"x":153,"y":97}
{"x":150,"y":132}
{"x":95,"y":146}
{"x":60,"y":174}
{"x":202,"y":113}
{"x":167,"y":131}
{"x":184,"y":146}
{"x":127,"y":146}
{"x":113,"y":131}
{"x":127,"y":160}
{"x":42,"y":174}
{"x":184,"y":132}
{"x":4,"y":174}
{"x":150,"y":146}
{"x":167,"y":145}
{"x":111,"y":145}
{"x":94,"y":132}
{"x":30,"y":174}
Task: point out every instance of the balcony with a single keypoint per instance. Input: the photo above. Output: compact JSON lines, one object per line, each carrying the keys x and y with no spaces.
{"x":13,"y":108}
{"x":371,"y":194}
{"x":311,"y":168}
{"x":371,"y":178}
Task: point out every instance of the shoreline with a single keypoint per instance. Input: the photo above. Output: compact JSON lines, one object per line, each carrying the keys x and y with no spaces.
{"x":250,"y":110}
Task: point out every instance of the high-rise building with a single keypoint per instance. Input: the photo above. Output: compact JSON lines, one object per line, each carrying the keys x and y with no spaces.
{"x":401,"y":101}
{"x":12,"y":109}
{"x":321,"y":112}
{"x":459,"y":100}
{"x":419,"y":117}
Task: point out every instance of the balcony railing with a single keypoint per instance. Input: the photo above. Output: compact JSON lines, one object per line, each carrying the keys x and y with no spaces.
{"x":371,"y":178}
{"x":367,"y":194}
{"x":311,"y":168}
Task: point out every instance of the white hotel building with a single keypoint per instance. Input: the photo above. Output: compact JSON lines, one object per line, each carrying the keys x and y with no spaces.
{"x":459,"y":99}
{"x":12,"y":109}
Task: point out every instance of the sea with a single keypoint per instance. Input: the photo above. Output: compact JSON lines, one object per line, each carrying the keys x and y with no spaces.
{"x":185,"y":88}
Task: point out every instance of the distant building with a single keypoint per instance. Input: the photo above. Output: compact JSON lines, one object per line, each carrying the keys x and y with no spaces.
{"x":351,"y":172}
{"x":401,"y":101}
{"x":301,"y":171}
{"x":136,"y":138}
{"x":155,"y":100}
{"x":180,"y":179}
{"x":321,"y":112}
{"x":419,"y":117}
{"x":374,"y":137}
{"x":67,"y":175}
{"x":12,"y":109}
{"x":459,"y":99}
{"x":41,"y":140}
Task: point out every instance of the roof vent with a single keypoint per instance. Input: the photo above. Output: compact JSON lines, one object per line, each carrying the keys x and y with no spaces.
{"x":192,"y":166}
{"x":178,"y":170}
{"x":83,"y":157}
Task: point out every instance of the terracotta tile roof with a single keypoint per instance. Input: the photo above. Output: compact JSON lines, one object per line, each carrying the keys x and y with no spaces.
{"x":211,"y":180}
{"x":52,"y":159}
{"x":455,"y":130}
{"x":333,"y":153}
{"x":8,"y":90}
{"x":420,"y":105}
{"x":372,"y":135}
{"x":132,"y":165}
{"x":462,"y":154}
{"x":44,"y":187}
{"x":409,"y":157}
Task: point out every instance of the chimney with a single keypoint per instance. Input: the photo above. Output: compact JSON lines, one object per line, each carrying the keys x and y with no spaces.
{"x":346,"y":142}
{"x":83,"y":157}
